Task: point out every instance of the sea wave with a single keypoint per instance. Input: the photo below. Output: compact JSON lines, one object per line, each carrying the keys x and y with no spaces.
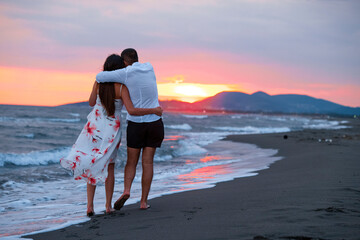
{"x":25,"y":120}
{"x":187,"y":148}
{"x":195,"y":116}
{"x":253,"y":130}
{"x":34,"y":158}
{"x":31,"y":135}
{"x":325,"y":124}
{"x":69,"y":120}
{"x":184,"y":126}
{"x":26,"y":135}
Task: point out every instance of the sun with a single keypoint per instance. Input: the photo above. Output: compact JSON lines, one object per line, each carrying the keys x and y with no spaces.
{"x":190,"y":90}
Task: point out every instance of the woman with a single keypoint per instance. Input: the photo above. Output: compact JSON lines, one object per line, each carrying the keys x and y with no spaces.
{"x":92,"y":157}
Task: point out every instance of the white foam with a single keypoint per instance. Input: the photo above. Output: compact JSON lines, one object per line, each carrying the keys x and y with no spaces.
{"x":195,"y":116}
{"x":324,"y":124}
{"x":184,"y":126}
{"x":19,"y":203}
{"x":15,"y":237}
{"x":186,"y":148}
{"x":30,"y":135}
{"x":34,"y":158}
{"x":27,"y":120}
{"x":68,"y":120}
{"x":253,"y":130}
{"x":159,"y":158}
{"x":11,"y":184}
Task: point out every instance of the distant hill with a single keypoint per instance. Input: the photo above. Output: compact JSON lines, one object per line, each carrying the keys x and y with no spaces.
{"x":259,"y":102}
{"x":263,"y":102}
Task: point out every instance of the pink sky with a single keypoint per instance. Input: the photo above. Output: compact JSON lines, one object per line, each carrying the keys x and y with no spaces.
{"x":51,"y":51}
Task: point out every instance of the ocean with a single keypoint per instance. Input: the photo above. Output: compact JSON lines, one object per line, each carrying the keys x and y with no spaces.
{"x":36,"y":194}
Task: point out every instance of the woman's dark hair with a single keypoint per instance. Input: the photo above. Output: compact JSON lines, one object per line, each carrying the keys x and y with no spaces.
{"x":107,"y":90}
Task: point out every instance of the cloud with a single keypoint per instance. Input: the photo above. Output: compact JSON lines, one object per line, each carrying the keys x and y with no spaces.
{"x":319,"y":38}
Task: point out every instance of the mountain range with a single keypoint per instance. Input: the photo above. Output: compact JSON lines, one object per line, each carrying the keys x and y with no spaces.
{"x":261,"y":102}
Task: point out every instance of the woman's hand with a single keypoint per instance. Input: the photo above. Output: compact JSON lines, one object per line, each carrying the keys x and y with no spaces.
{"x":159,"y":111}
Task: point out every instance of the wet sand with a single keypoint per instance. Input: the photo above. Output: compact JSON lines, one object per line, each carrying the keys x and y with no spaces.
{"x":312,"y":193}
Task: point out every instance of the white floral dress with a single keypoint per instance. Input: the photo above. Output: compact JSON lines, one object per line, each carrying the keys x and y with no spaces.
{"x":96,"y":146}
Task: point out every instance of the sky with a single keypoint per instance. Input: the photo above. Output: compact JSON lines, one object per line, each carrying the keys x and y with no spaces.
{"x":51,"y":51}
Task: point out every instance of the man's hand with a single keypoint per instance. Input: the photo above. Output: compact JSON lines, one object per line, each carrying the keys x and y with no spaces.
{"x":159,"y":111}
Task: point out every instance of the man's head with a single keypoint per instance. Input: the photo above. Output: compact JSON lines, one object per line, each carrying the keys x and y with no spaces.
{"x":130,"y":56}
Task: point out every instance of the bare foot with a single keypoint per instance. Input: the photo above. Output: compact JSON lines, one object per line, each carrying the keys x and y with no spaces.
{"x":121,"y":201}
{"x":90,"y":211}
{"x":109,"y":210}
{"x":144,"y":206}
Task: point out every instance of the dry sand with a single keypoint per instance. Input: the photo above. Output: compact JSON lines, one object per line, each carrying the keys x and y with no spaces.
{"x":313,"y":193}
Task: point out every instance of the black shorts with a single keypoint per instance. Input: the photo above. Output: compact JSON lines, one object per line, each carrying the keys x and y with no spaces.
{"x":147,"y":134}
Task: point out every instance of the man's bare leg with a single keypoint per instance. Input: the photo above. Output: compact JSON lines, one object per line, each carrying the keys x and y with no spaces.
{"x":90,"y":199}
{"x":133,"y":155}
{"x":129,"y":175}
{"x":147,"y":174}
{"x":109,"y":188}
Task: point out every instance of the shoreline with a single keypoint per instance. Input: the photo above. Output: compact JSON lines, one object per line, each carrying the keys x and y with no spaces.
{"x":310,"y":193}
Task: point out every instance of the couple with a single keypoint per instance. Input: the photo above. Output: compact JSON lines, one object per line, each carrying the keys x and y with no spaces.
{"x":92,"y":157}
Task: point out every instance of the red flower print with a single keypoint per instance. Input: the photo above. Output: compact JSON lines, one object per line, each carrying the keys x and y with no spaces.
{"x":117,"y":124}
{"x":97,"y":113}
{"x":77,"y":158}
{"x":82,"y":152}
{"x":94,"y":140}
{"x":93,"y":160}
{"x":106,"y":150}
{"x":96,"y":150}
{"x":86,"y":173}
{"x":73,"y":165}
{"x":78,"y":178}
{"x":90,"y":128}
{"x":111,"y":140}
{"x":92,"y":181}
{"x":118,"y":145}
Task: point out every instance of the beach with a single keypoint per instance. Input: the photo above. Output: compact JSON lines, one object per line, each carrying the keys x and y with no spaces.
{"x":313,"y":192}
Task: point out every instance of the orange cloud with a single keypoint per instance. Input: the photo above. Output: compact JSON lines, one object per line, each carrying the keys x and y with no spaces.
{"x":250,"y":75}
{"x":43,"y":88}
{"x":187,"y":76}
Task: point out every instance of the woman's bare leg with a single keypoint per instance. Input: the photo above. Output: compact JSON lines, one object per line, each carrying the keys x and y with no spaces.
{"x":90,"y":198}
{"x":109,"y":187}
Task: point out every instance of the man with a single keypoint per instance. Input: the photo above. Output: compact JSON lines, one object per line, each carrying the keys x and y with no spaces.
{"x":144,"y":133}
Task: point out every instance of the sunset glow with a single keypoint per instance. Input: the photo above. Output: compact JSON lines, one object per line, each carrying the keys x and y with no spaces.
{"x":21,"y":86}
{"x":50,"y":54}
{"x":191,"y":92}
